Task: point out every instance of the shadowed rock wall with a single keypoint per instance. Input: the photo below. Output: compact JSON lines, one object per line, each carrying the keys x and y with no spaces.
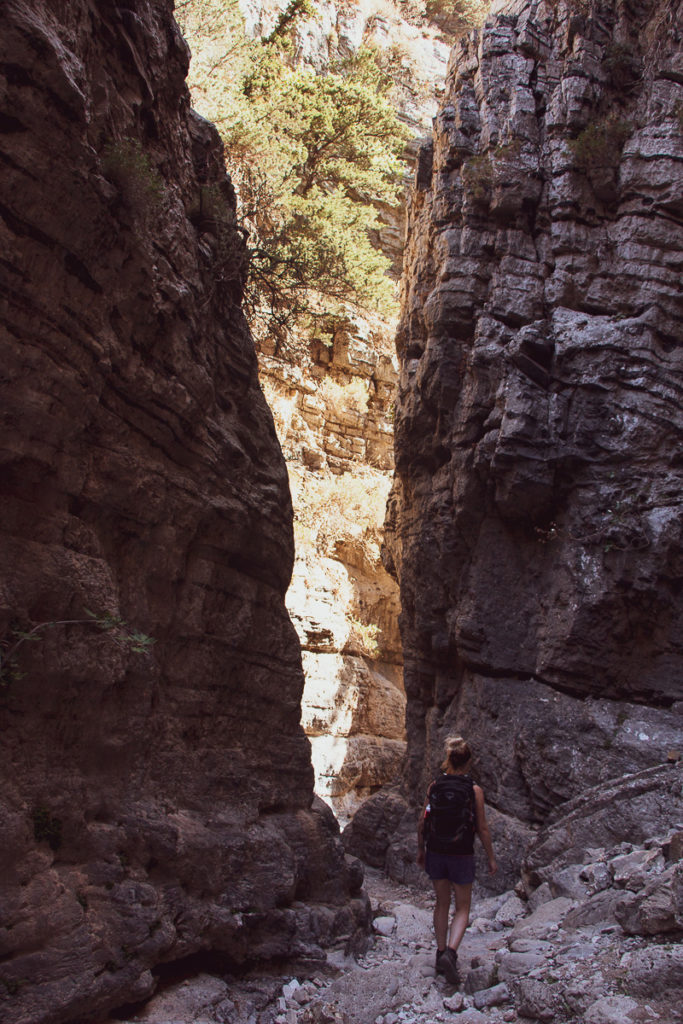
{"x":535,"y":524}
{"x":153,"y":805}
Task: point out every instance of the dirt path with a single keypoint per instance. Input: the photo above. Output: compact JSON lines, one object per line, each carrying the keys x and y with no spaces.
{"x":520,"y":962}
{"x":394,"y":981}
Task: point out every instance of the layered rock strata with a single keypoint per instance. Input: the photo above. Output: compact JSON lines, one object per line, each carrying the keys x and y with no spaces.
{"x":156,"y":798}
{"x":332,"y":396}
{"x":603,"y":951}
{"x":535,"y":524}
{"x":333,"y":416}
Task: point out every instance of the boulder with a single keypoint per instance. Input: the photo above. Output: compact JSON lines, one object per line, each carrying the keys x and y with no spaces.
{"x":370,"y":832}
{"x":545,"y":921}
{"x":497,"y":995}
{"x":639,"y":806}
{"x":654,"y":971}
{"x":658,"y":908}
{"x":618,"y":1010}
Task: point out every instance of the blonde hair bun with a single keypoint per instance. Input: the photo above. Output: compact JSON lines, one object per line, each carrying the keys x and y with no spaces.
{"x":457,"y":753}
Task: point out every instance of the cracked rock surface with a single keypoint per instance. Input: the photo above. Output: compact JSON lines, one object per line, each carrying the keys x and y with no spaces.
{"x":527,"y":957}
{"x":154,"y":804}
{"x":535,"y":524}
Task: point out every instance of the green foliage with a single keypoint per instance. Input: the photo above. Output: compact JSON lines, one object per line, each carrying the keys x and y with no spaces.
{"x":133,"y":639}
{"x":600,"y":144}
{"x":139,"y":642}
{"x":455,"y":17}
{"x":623,"y":66}
{"x":125,"y":163}
{"x":366,"y":636}
{"x":287,"y":18}
{"x":46,"y":829}
{"x":477,"y":177}
{"x":311,"y":156}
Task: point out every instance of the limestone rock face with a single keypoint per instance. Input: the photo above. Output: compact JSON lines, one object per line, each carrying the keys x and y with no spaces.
{"x":153,"y":804}
{"x":332,"y":397}
{"x":332,"y":416}
{"x":535,"y":524}
{"x":632,"y":807}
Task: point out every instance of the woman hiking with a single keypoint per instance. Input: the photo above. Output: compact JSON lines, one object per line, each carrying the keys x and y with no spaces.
{"x":453,"y":812}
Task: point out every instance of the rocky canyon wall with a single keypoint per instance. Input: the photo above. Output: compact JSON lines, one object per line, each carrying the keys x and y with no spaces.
{"x":332,"y":395}
{"x":156,"y":800}
{"x":535,"y":524}
{"x":332,"y":412}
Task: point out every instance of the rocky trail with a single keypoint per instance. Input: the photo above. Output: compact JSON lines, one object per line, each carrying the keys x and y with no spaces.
{"x":538,"y":958}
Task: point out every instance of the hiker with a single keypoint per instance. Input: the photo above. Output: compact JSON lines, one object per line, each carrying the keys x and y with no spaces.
{"x":453,"y":812}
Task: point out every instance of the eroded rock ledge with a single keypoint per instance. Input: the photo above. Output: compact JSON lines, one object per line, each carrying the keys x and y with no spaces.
{"x":153,"y":805}
{"x":536,"y":522}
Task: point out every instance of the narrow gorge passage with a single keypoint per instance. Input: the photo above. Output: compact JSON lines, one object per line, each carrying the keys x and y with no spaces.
{"x":542,"y":959}
{"x":330,"y":380}
{"x":158,"y":808}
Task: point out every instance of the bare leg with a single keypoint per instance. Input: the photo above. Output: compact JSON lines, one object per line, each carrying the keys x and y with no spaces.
{"x":461,"y":917}
{"x":442,"y":888}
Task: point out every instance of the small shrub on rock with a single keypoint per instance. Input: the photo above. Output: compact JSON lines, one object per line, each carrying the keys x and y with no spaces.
{"x":600,"y":144}
{"x":126,"y":165}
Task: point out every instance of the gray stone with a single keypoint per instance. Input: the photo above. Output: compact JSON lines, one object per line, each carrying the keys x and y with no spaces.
{"x":657,"y":909}
{"x":637,"y":805}
{"x":539,"y":947}
{"x":617,"y":1010}
{"x":542,"y":894}
{"x":517,"y":965}
{"x":494,"y":996}
{"x":596,"y":876}
{"x":510,"y":911}
{"x":472,"y":1016}
{"x":653,"y":971}
{"x":596,"y":909}
{"x":544,"y":921}
{"x":481,"y":978}
{"x":634,"y":870}
{"x":454,"y":1003}
{"x":575,"y":953}
{"x":536,"y":999}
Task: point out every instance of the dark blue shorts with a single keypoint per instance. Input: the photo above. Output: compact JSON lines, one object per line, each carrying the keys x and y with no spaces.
{"x":456,"y":867}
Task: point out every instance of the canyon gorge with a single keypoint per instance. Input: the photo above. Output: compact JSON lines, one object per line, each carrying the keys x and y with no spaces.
{"x":332,"y":393}
{"x":167,"y":716}
{"x":535,"y":521}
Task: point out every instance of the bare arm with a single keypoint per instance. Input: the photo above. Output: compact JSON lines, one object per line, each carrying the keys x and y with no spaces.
{"x":421,"y":831}
{"x":482,"y":828}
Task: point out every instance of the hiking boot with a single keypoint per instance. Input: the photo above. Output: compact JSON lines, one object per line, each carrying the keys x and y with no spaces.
{"x":449,"y":965}
{"x":439,"y":964}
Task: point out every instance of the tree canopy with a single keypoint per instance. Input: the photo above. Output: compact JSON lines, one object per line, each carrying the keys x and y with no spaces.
{"x":311,"y":156}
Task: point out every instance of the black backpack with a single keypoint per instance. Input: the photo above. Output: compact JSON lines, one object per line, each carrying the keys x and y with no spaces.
{"x":450,"y":822}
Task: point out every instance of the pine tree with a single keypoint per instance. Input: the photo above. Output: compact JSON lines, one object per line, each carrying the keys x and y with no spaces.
{"x":311,"y":156}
